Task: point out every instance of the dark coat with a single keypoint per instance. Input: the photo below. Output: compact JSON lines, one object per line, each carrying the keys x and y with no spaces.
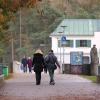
{"x":24,"y":61}
{"x":29,"y":62}
{"x":51,"y":61}
{"x":38,"y":62}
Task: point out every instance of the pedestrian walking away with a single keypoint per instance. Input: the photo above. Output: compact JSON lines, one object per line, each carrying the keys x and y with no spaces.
{"x":51,"y":63}
{"x":24,"y":64}
{"x":29,"y":63}
{"x":38,"y":65}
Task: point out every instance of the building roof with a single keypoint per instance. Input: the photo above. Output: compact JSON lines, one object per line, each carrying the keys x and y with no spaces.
{"x":77,"y":27}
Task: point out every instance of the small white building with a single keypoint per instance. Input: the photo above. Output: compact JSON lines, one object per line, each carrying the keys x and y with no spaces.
{"x":80,"y":34}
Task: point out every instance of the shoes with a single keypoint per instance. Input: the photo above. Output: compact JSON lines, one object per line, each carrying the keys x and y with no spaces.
{"x":52,"y":83}
{"x":37,"y":83}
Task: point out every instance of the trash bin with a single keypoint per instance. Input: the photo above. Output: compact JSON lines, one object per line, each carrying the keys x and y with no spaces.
{"x":5,"y":71}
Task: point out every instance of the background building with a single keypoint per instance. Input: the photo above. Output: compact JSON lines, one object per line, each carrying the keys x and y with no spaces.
{"x":80,"y":35}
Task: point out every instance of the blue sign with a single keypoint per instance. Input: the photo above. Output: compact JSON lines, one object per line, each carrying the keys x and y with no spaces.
{"x":63,"y":40}
{"x":76,"y":58}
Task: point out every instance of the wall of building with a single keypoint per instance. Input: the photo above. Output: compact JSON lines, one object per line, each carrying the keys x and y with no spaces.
{"x":66,"y":50}
{"x":96,"y":41}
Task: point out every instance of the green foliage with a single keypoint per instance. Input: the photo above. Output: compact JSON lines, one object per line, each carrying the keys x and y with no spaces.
{"x":37,"y":28}
{"x":83,"y":14}
{"x":37,"y":23}
{"x":1,"y":51}
{"x":22,"y":51}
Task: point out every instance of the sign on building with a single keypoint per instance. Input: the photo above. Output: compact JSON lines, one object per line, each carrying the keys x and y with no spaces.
{"x":63,"y":40}
{"x":76,"y":58}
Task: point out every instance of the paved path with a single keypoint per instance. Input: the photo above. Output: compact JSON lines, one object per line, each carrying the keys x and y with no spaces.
{"x":73,"y":87}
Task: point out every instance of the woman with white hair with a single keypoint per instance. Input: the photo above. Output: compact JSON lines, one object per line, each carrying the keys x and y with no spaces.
{"x":38,"y":65}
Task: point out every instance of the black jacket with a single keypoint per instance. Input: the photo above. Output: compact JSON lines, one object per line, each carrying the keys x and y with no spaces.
{"x":24,"y":62}
{"x":51,"y":60}
{"x":38,"y":62}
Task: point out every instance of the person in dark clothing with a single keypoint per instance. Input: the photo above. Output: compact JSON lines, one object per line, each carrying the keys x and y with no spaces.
{"x":29,"y":62}
{"x":24,"y":64}
{"x":38,"y":65}
{"x":51,"y":63}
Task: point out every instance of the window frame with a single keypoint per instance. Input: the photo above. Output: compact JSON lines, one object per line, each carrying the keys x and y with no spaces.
{"x":69,"y":43}
{"x":83,"y":43}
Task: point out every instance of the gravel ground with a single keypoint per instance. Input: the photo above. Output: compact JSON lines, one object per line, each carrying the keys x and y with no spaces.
{"x":67,"y":87}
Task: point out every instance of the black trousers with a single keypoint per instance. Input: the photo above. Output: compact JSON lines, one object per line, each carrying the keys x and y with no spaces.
{"x":38,"y":77}
{"x":30,"y":69}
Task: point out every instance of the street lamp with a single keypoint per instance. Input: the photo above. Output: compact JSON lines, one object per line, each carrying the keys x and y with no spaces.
{"x":63,"y":41}
{"x":63,"y":26}
{"x":12,"y":52}
{"x":60,"y":46}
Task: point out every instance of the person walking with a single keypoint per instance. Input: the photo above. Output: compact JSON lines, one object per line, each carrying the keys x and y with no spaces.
{"x":38,"y":65}
{"x":51,"y":64}
{"x":24,"y":64}
{"x":29,"y":63}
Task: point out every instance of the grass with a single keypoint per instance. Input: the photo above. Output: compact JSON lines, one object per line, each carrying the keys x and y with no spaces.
{"x":92,"y":78}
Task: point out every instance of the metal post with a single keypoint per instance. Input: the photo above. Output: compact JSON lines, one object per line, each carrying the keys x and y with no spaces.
{"x":63,"y":49}
{"x":63,"y":61}
{"x":20,"y":27}
{"x":12,"y":47}
{"x":12,"y":53}
{"x":60,"y":51}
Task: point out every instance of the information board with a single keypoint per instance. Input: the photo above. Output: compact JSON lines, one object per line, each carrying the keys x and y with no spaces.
{"x":76,"y":58}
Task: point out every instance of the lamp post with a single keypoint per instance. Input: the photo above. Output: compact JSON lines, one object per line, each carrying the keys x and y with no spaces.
{"x":63,"y":40}
{"x":60,"y":49}
{"x":12,"y":52}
